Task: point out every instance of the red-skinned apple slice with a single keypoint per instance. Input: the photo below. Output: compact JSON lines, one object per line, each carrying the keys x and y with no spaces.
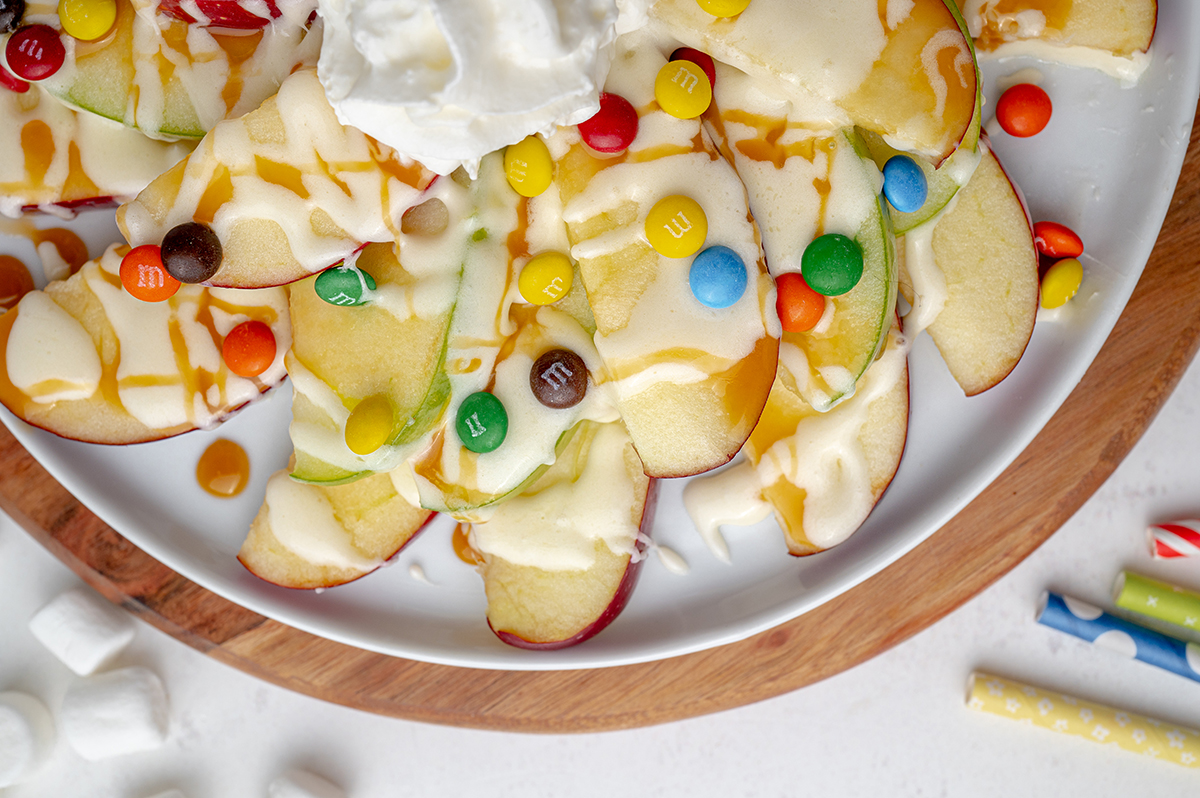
{"x":313,"y":536}
{"x":585,"y":519}
{"x":221,"y":13}
{"x":288,"y":190}
{"x":86,"y":360}
{"x":1122,"y":28}
{"x":980,"y":263}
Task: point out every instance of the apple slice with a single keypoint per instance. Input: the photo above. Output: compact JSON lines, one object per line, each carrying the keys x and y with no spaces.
{"x":72,"y":159}
{"x":905,"y":72}
{"x":288,"y":190}
{"x":223,"y":13}
{"x":170,"y":79}
{"x":313,"y":536}
{"x":802,"y":183}
{"x":86,"y":360}
{"x":978,"y":263}
{"x":821,"y":473}
{"x":560,"y":560}
{"x":1123,"y":29}
{"x":690,"y":380}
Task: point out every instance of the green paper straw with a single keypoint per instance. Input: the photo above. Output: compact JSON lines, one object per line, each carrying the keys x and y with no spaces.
{"x":1157,"y":600}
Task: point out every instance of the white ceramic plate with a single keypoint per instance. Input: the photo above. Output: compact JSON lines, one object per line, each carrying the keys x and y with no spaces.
{"x":1106,"y":166}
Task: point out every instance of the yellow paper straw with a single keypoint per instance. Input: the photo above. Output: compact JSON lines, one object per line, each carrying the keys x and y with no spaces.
{"x":1074,"y":716}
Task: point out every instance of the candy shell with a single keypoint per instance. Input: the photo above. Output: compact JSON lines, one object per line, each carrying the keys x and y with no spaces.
{"x":904,"y":184}
{"x":482,"y":422}
{"x":718,"y":277}
{"x":832,"y":264}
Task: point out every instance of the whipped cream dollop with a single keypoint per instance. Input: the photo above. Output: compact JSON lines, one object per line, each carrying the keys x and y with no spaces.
{"x":448,"y":81}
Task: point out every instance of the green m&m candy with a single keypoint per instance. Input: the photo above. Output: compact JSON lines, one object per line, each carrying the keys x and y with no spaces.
{"x":832,"y":264}
{"x":482,"y":422}
{"x":345,"y":285}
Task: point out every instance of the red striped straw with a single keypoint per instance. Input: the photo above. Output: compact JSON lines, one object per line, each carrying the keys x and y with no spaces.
{"x":1175,"y":539}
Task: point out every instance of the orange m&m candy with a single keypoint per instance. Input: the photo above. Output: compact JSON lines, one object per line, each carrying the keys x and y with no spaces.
{"x":145,"y":277}
{"x":1024,"y":110}
{"x":1056,"y":240}
{"x":799,"y":307}
{"x":249,"y":349}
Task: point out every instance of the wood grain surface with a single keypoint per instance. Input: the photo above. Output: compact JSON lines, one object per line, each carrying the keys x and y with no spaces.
{"x":1150,"y":347}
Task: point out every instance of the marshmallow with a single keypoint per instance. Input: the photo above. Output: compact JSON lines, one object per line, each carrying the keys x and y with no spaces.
{"x":82,"y":629}
{"x":115,"y":713}
{"x":26,"y":736}
{"x":302,"y":784}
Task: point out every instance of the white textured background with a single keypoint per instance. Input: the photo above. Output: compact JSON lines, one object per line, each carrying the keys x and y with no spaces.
{"x":895,"y":726}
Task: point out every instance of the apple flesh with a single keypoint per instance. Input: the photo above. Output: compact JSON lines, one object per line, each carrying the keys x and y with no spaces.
{"x":288,"y":190}
{"x":351,"y":531}
{"x":86,"y":360}
{"x":1119,"y":27}
{"x":912,"y":78}
{"x":801,"y":184}
{"x":983,"y":247}
{"x":540,"y":608}
{"x":690,"y":381}
{"x":221,"y":14}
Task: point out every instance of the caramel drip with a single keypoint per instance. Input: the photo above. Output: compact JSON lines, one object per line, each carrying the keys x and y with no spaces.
{"x":462,"y":546}
{"x":15,"y":281}
{"x":238,"y":49}
{"x":224,"y":469}
{"x":37,"y":142}
{"x":999,"y":26}
{"x":766,"y":147}
{"x":281,"y":174}
{"x":218,"y":192}
{"x":69,"y":245}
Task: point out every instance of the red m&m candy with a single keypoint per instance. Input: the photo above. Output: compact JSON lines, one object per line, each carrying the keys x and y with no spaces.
{"x":1024,"y":110}
{"x":11,"y":82}
{"x":35,"y":52}
{"x":700,"y":59}
{"x":613,"y":128}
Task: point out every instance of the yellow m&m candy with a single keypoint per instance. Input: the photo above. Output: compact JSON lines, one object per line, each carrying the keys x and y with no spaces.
{"x":682,"y":89}
{"x":1061,"y":283}
{"x":87,"y":20}
{"x":676,"y":226}
{"x":528,"y":167}
{"x":723,"y":8}
{"x":369,"y":425}
{"x":546,"y":278}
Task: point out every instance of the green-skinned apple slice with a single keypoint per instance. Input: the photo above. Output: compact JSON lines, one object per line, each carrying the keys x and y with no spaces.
{"x":560,"y":560}
{"x":70,"y":159}
{"x":821,"y":474}
{"x":170,"y":79}
{"x":86,"y":360}
{"x":977,"y":263}
{"x":288,"y":190}
{"x":314,"y":536}
{"x":801,"y":184}
{"x":903,"y":70}
{"x":689,"y":380}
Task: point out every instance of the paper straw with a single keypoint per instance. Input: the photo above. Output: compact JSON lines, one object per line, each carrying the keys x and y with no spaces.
{"x":1095,"y":722}
{"x":1176,"y":539}
{"x":1158,"y":600}
{"x":1118,"y":635}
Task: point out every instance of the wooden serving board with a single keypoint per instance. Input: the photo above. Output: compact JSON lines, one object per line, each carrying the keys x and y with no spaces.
{"x":1149,"y":349}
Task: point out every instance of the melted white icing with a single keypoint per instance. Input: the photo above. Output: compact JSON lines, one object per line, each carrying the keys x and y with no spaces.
{"x":50,"y":356}
{"x":303,"y":522}
{"x":733,"y":496}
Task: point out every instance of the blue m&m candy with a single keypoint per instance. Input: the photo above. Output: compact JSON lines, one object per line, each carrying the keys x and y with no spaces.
{"x":904,"y":184}
{"x":718,"y":277}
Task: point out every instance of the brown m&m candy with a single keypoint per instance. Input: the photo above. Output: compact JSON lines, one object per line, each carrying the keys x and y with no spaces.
{"x":191,"y":252}
{"x":559,"y":379}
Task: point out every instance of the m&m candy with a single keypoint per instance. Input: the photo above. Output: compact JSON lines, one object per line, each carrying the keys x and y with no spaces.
{"x":546,"y":278}
{"x":613,"y":128}
{"x":718,"y":277}
{"x":724,"y":8}
{"x":528,"y":167}
{"x":35,"y":52}
{"x":1061,"y":282}
{"x":87,"y":20}
{"x":11,"y":82}
{"x":676,"y":226}
{"x":1024,"y":110}
{"x":559,"y":379}
{"x":904,"y":184}
{"x":700,"y":59}
{"x":144,"y":276}
{"x":369,"y":425}
{"x":1056,"y":240}
{"x":345,"y":285}
{"x":682,"y":89}
{"x":191,"y":252}
{"x":482,"y":422}
{"x":799,"y":307}
{"x":249,"y":349}
{"x":832,"y":264}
